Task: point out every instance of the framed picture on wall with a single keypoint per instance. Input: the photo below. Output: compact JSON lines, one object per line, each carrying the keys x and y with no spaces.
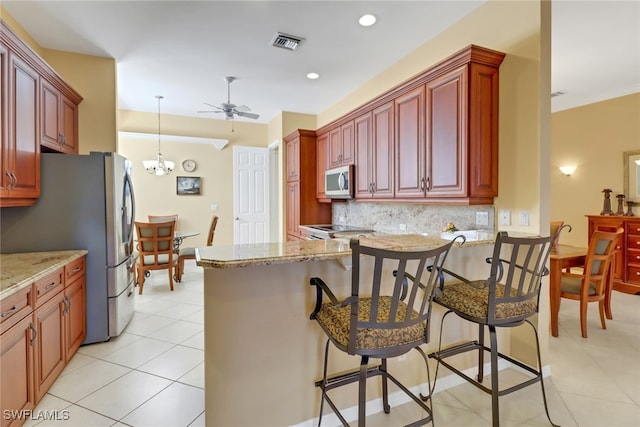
{"x":187,"y":185}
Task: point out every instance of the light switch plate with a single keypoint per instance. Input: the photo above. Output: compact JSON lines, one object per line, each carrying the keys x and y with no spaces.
{"x":524,"y":218}
{"x":505,"y":217}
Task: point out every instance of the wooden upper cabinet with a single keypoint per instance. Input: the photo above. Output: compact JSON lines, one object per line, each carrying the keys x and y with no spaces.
{"x":374,"y":153}
{"x":59,"y":117}
{"x":322,"y":160}
{"x":293,"y":160}
{"x":341,"y":145}
{"x":410,"y":176}
{"x":21,"y":149}
{"x":446,"y":148}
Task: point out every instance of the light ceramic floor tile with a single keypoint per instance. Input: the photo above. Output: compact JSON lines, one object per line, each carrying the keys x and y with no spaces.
{"x":86,"y":380}
{"x":194,"y":377}
{"x":78,"y":361}
{"x":139,"y":352}
{"x":198,"y":422}
{"x":148,"y":324}
{"x":196,"y":341}
{"x":177,"y":405}
{"x":197,"y":317}
{"x":48,"y":404}
{"x":179,"y":310}
{"x":80,"y":417}
{"x":123,"y":395}
{"x":177,"y":332}
{"x":174,"y":363}
{"x":99,"y":350}
{"x":593,"y":412}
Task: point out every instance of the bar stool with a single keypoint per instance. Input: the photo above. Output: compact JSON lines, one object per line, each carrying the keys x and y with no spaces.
{"x":507,"y":298}
{"x":386,"y":315}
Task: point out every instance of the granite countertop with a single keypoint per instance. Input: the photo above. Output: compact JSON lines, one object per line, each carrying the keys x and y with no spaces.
{"x":246,"y":255}
{"x":22,"y":269}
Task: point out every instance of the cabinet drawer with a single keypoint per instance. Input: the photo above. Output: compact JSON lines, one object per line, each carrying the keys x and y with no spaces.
{"x":633,"y":241}
{"x":633,"y":257}
{"x":73,"y":270}
{"x":633,"y":274}
{"x":633,"y":228}
{"x":48,"y":286}
{"x":15,"y":307}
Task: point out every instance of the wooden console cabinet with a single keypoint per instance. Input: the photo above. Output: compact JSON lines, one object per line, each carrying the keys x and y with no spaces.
{"x":626,"y":268}
{"x":42,"y":327}
{"x":38,"y":111}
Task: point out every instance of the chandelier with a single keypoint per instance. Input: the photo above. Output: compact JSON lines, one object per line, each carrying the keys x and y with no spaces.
{"x":158,"y":166}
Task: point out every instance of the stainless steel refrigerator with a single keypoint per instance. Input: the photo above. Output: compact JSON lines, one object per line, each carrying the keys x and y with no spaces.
{"x":86,"y":202}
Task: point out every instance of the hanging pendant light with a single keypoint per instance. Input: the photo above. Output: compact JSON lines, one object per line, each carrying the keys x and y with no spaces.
{"x":158,"y":166}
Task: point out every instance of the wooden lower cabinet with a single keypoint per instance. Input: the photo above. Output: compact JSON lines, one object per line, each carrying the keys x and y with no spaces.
{"x":36,"y":344}
{"x":49,"y":321}
{"x":17,"y":372}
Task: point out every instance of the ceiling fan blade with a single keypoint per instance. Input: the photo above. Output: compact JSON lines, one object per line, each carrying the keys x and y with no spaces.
{"x":243,"y":108}
{"x":209,"y":111}
{"x":210,"y":105}
{"x":248,"y":115}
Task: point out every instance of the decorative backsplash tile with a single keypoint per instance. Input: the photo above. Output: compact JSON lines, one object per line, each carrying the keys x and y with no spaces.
{"x":390,"y":217}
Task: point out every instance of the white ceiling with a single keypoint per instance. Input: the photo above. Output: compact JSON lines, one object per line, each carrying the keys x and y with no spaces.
{"x":184,"y":49}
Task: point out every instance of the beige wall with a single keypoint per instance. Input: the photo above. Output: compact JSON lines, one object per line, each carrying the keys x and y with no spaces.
{"x":593,"y":138}
{"x":157,"y":194}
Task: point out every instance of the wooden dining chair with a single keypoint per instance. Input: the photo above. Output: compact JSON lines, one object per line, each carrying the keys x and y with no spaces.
{"x":594,"y":284}
{"x":155,"y":248}
{"x":163,"y":218}
{"x":190,"y":253}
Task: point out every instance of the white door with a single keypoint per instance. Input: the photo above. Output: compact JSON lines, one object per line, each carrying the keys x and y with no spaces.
{"x":250,"y":195}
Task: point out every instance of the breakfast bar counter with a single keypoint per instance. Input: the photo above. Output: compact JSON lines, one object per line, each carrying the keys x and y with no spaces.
{"x":263,"y":354}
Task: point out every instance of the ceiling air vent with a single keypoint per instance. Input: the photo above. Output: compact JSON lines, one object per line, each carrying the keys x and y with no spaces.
{"x":558,"y":93}
{"x":286,"y":41}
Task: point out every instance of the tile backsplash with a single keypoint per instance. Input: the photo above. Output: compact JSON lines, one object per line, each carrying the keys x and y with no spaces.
{"x":410,"y":218}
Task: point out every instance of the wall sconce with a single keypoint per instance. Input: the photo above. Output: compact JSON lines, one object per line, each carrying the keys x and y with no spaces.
{"x":567,"y":170}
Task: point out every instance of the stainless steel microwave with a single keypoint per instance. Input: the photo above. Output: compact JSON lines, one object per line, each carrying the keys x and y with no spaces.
{"x":338,"y":182}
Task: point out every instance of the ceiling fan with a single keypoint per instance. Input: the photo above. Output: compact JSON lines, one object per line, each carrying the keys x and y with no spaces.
{"x":231,"y":110}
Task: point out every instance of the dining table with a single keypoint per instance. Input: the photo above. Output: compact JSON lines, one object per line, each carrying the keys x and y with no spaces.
{"x":562,"y":257}
{"x":179,"y":236}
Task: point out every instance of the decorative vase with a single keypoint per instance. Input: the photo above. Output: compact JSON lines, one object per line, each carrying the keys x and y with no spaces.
{"x":620,"y":210}
{"x":630,"y":204}
{"x":606,"y":209}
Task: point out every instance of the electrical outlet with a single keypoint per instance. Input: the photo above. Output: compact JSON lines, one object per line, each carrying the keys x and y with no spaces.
{"x":524,"y":218}
{"x":505,"y":217}
{"x":402,"y":227}
{"x":482,"y":218}
{"x":214,"y":207}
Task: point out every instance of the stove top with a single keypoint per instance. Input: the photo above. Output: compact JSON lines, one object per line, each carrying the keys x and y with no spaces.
{"x":326,"y":231}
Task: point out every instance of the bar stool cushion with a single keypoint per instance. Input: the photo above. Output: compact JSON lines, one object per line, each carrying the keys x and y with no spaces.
{"x":335,"y":320}
{"x":472,"y":299}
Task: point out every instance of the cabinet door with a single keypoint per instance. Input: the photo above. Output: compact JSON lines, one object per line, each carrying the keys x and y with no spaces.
{"x":447,"y":135}
{"x":75,"y":323}
{"x":293,"y":208}
{"x":23,"y":129}
{"x":364,"y":156}
{"x":335,"y":149}
{"x":293,"y":159}
{"x":5,"y":147}
{"x":410,"y":179}
{"x":50,"y":343}
{"x":69,"y":124}
{"x":347,"y":143}
{"x":51,"y":133}
{"x":16,"y":369}
{"x":382,"y":160}
{"x":322,"y":164}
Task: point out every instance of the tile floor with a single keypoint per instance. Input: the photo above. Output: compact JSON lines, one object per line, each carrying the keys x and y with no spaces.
{"x":152,"y":374}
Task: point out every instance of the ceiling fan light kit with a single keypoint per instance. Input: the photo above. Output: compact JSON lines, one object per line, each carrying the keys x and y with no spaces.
{"x":229,"y":109}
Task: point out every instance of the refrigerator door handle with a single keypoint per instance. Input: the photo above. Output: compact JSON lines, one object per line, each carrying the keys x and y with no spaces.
{"x":128,"y":184}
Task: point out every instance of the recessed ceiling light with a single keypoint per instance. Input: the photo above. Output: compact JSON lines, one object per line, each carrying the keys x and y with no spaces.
{"x":367,"y":20}
{"x":313,"y":76}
